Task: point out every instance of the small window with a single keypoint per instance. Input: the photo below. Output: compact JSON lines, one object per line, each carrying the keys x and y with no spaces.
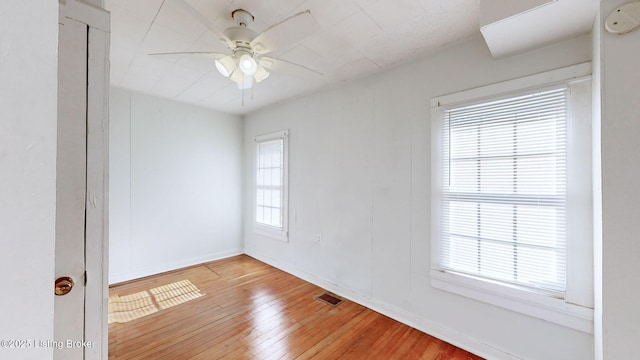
{"x":271,"y":193}
{"x":511,"y":191}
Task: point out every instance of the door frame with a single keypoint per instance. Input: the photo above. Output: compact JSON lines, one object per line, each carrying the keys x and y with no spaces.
{"x":97,"y":205}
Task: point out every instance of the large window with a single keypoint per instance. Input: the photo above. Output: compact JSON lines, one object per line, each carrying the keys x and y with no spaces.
{"x":504,"y":194}
{"x":512,"y":165}
{"x":271,"y":185}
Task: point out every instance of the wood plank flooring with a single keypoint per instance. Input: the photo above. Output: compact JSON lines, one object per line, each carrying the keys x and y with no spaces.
{"x":250,"y":310}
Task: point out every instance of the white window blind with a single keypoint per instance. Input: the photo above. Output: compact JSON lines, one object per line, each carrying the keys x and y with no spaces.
{"x":504,"y":190}
{"x":270,"y":192}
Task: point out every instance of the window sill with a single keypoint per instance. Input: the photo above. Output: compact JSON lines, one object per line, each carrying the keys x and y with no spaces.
{"x":271,"y":233}
{"x":536,"y":304}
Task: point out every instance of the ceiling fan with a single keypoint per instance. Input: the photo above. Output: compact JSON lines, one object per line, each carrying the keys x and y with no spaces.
{"x":246,"y":63}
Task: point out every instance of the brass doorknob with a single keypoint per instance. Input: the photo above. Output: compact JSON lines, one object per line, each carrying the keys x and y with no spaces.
{"x":63,"y":285}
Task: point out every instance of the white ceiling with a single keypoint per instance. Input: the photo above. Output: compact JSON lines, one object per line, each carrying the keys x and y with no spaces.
{"x":356,"y":38}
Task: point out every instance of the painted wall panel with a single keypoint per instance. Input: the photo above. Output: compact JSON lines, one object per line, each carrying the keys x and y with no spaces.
{"x":392,"y":190}
{"x":620,"y":131}
{"x":177,"y":185}
{"x":28,"y":121}
{"x":120,"y":182}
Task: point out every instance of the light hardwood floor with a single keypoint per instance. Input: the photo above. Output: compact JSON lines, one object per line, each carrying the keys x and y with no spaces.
{"x":250,"y":310}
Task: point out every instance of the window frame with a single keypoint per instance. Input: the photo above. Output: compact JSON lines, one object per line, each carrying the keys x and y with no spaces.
{"x":575,"y":308}
{"x":281,"y":234}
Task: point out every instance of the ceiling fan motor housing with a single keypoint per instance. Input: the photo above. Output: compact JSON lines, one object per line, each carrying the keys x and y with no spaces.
{"x":241,"y":35}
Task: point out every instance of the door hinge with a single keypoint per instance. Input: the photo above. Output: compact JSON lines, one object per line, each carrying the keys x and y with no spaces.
{"x":85,"y":278}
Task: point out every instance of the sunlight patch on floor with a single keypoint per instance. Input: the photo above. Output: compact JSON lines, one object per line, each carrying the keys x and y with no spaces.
{"x":175,"y":294}
{"x":130,"y":307}
{"x":126,"y":308}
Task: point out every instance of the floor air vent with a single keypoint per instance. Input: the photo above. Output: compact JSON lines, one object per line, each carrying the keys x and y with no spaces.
{"x":329,"y":299}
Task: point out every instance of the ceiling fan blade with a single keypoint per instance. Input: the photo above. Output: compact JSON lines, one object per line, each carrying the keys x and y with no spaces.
{"x":208,"y":24}
{"x":288,"y":31}
{"x":214,"y":55}
{"x":261,"y":73}
{"x":289,"y":67}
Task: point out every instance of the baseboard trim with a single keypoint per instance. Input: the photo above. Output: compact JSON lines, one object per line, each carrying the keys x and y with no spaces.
{"x":119,"y":278}
{"x":434,"y":329}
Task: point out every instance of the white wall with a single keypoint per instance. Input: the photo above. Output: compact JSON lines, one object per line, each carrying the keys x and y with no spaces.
{"x":620,"y":91}
{"x":175,"y":185}
{"x":28,"y":118}
{"x":359,"y":176}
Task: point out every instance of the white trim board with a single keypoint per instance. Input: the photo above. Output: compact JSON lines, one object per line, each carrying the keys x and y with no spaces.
{"x":521,"y":84}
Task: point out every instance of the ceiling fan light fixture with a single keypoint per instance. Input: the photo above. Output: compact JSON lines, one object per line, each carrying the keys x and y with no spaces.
{"x":247,"y":64}
{"x":225,"y":66}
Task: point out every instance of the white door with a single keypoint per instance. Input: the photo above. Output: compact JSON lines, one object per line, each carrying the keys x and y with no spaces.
{"x":80,"y":330}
